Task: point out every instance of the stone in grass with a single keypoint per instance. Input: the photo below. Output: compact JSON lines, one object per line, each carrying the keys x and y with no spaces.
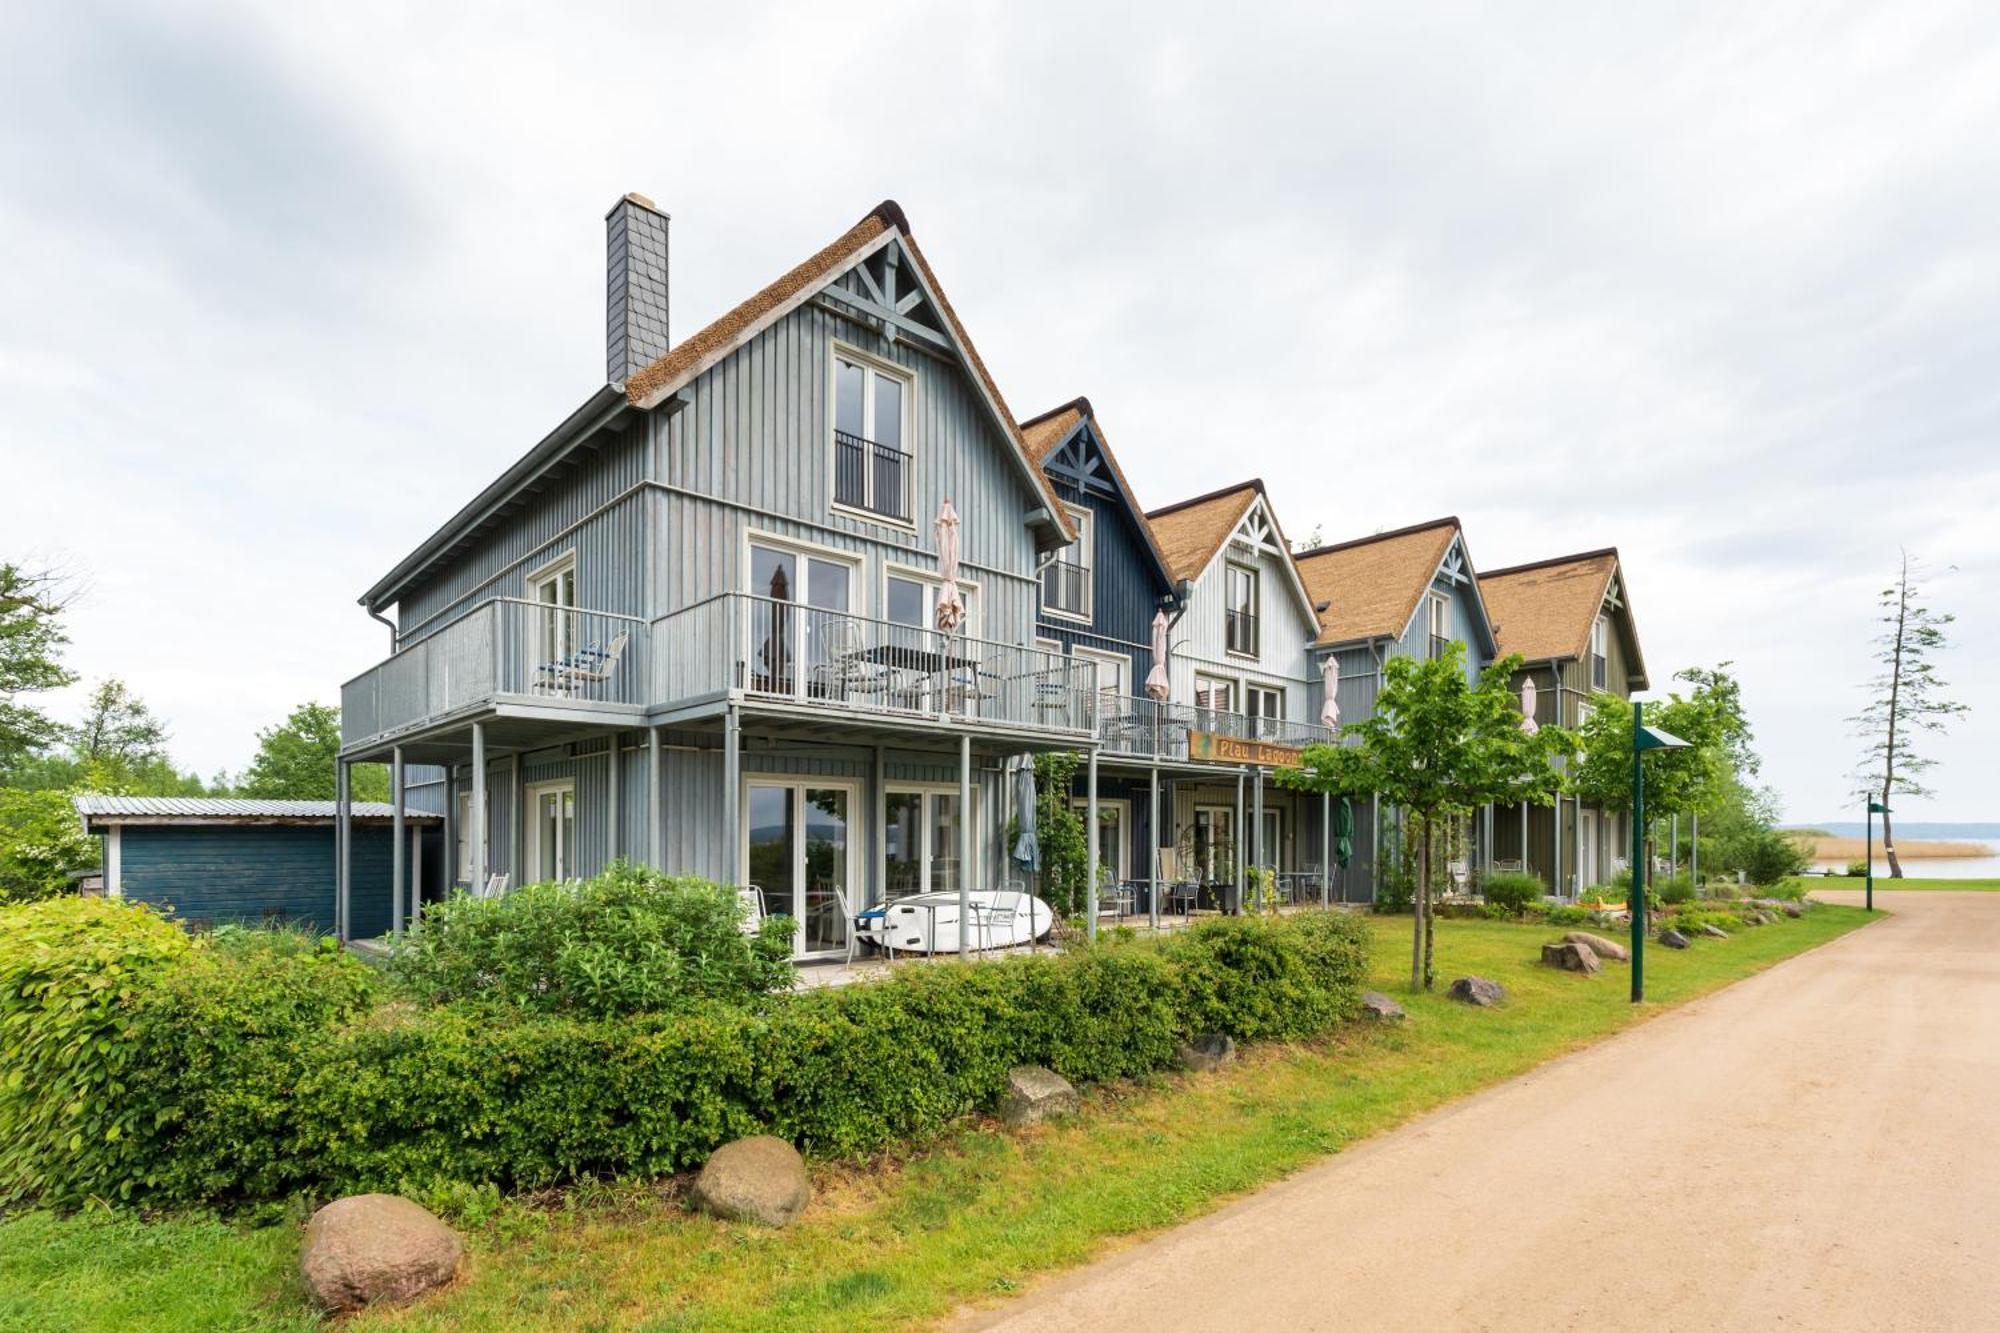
{"x":1794,"y":910}
{"x":1673,"y":939}
{"x":1571,"y":957}
{"x":761,"y":1180}
{"x":1713,"y":931}
{"x":1477,"y":991}
{"x":1205,"y":1053}
{"x":373,"y":1249}
{"x":1607,"y":950}
{"x":1376,"y":1005}
{"x":1034,"y":1094}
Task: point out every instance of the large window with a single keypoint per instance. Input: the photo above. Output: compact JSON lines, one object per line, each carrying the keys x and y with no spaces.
{"x":871,"y":458}
{"x":1266,"y":704}
{"x":1217,"y":693}
{"x":1599,"y":665}
{"x":1239,"y":630}
{"x":1066,"y":579}
{"x":1111,"y":669}
{"x":800,"y":621}
{"x":552,"y":589}
{"x":1437,"y":615}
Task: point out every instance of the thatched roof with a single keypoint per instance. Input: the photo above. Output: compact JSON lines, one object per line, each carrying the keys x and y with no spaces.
{"x":1546,"y":609}
{"x":1372,"y":585}
{"x":1046,"y":433}
{"x":1191,"y":532}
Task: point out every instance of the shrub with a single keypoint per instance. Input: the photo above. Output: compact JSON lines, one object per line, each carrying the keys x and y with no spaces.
{"x":1858,"y":868}
{"x":70,"y":972}
{"x":41,"y":844}
{"x":630,"y":941}
{"x":1674,"y":889}
{"x":1771,"y":856}
{"x":1511,"y":890}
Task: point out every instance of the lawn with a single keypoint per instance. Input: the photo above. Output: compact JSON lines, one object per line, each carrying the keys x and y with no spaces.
{"x":1883,"y":884}
{"x":979,"y":1215}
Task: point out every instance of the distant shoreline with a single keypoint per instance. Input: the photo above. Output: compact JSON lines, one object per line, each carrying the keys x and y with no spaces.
{"x":1914,"y":849}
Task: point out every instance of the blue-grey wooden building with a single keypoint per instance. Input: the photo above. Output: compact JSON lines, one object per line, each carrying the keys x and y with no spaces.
{"x":693,"y":625}
{"x":216,"y":861}
{"x":1411,"y":592}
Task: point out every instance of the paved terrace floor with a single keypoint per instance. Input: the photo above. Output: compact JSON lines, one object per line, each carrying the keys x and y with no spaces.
{"x":1809,"y":1149}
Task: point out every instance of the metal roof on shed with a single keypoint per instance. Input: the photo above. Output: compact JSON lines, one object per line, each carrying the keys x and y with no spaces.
{"x":212,"y":809}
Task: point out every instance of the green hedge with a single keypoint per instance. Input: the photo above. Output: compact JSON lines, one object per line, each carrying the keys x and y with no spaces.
{"x":267,"y":1071}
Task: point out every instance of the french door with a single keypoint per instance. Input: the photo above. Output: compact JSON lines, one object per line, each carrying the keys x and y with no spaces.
{"x":1215,"y":841}
{"x":1271,"y":840}
{"x":799,"y":842}
{"x":922,"y":841}
{"x":551,"y":831}
{"x":793,"y":631}
{"x":554,"y":632}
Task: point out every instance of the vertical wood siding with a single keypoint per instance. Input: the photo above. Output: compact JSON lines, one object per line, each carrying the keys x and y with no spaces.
{"x":212,"y":874}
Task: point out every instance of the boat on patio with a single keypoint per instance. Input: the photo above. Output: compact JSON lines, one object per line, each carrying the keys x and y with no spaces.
{"x":927,"y":923}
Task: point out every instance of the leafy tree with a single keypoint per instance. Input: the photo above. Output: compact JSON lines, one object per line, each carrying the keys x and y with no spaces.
{"x":1440,"y":746}
{"x":118,"y":729}
{"x":31,"y":641}
{"x":295,"y":760}
{"x":1907,"y":698}
{"x":1060,"y":834}
{"x":42,"y":843}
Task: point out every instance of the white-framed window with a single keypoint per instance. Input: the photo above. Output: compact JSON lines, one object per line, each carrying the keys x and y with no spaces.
{"x":1067,"y":578}
{"x":1216,"y":693}
{"x":872,"y":448}
{"x":1600,"y":638}
{"x":1112,"y":670}
{"x":909,"y":597}
{"x":920,"y":840}
{"x":1266,"y":703}
{"x":551,"y":840}
{"x":1113,"y":818}
{"x":1239,"y":610}
{"x":803,"y":612}
{"x":553,"y":627}
{"x":1437,"y":619}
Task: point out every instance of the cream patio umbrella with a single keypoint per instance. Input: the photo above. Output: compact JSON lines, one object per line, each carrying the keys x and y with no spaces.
{"x":950,"y":605}
{"x":1329,"y":689}
{"x":1528,"y":724}
{"x":1158,"y":684}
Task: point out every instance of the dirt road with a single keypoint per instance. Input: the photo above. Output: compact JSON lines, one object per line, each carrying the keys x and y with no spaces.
{"x":1815,"y":1148}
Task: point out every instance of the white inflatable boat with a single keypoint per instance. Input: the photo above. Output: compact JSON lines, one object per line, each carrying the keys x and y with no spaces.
{"x":928,"y":922}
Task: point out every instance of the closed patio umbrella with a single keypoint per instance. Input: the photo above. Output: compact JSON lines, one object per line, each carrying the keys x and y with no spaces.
{"x":1329,"y":680}
{"x":1158,"y":684}
{"x":950,"y":606}
{"x":1528,"y":724}
{"x":1343,"y":833}
{"x":1027,"y":849}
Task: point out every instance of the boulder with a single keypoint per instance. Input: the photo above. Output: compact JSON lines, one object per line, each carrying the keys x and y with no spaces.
{"x":1477,"y":991}
{"x":1034,"y":1094}
{"x":1376,"y":1005}
{"x":1607,"y":950}
{"x":372,"y":1249}
{"x":760,"y":1180}
{"x":1205,"y":1053}
{"x":1713,"y":931}
{"x":1673,"y":939}
{"x":1571,"y":957}
{"x":1794,"y":910}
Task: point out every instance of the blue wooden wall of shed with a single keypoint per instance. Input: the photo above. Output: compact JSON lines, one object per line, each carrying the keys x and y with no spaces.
{"x":255,"y":873}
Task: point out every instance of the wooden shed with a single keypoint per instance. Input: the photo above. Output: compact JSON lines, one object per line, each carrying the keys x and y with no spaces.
{"x":216,"y":861}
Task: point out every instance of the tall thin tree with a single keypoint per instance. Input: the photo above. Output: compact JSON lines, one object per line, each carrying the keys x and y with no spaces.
{"x":1907,"y":699}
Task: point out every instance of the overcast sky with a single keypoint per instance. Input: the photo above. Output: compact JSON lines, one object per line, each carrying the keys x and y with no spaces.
{"x":1719,"y":286}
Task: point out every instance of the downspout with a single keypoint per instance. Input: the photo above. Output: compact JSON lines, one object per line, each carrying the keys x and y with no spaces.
{"x":387,"y":623}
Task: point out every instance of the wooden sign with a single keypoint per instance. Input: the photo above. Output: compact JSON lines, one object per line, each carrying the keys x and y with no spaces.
{"x":1215,"y":748}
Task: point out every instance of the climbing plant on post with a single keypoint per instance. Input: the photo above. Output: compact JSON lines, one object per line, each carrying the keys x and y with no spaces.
{"x":1441,"y":743}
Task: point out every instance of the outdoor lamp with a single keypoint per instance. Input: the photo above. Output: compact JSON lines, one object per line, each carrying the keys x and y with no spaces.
{"x":1644,"y":738}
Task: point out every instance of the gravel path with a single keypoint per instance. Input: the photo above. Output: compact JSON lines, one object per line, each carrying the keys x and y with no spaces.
{"x":1815,"y":1148}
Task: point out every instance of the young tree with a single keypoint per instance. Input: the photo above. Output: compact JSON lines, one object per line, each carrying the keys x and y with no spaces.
{"x":1440,"y":746}
{"x":295,"y":760}
{"x":31,"y":641}
{"x":1710,"y":718}
{"x":117,"y":728}
{"x":1907,"y":698}
{"x":41,"y":844}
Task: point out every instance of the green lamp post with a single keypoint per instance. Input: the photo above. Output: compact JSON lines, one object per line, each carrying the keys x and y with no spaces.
{"x":1644,"y":738}
{"x":1874,"y":808}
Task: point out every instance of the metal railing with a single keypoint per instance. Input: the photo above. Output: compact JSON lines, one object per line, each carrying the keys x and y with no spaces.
{"x":871,"y":476}
{"x":1147,"y":728}
{"x":762,"y":648}
{"x":500,"y":648}
{"x":1440,"y":645}
{"x":1239,"y":631}
{"x":1066,"y":588}
{"x":1600,"y":672}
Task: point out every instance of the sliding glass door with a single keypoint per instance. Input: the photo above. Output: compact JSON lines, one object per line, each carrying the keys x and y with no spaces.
{"x":799,"y":854}
{"x":922,"y":842}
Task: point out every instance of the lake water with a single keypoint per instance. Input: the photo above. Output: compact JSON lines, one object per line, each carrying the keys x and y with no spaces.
{"x":1947,"y":867}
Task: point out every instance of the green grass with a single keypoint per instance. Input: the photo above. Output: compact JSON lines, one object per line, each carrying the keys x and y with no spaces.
{"x":980,"y":1214}
{"x":1883,"y":884}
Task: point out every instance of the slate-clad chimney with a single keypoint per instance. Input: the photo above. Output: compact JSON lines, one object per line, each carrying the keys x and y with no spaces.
{"x":635,"y":302}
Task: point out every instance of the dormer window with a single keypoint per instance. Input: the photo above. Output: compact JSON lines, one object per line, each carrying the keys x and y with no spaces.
{"x":871,"y":460}
{"x":1066,"y":579}
{"x":1600,"y":670}
{"x":1438,"y":616}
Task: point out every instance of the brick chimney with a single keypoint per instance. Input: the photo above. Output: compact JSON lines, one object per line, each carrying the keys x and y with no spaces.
{"x":635,"y":297}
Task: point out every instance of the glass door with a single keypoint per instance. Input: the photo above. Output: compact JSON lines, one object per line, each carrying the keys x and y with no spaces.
{"x":553,"y":632}
{"x":773,"y":849}
{"x":1214,"y":841}
{"x":552,"y":831}
{"x":923,"y":842}
{"x":1270,"y":840}
{"x":799,"y":621}
{"x":797,"y":853}
{"x":825,"y":878}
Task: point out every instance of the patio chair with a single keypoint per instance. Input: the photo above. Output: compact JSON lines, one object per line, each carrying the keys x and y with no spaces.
{"x":752,"y":899}
{"x":586,"y":666}
{"x":496,"y":885}
{"x":839,"y":668}
{"x":851,"y":920}
{"x":990,"y":917}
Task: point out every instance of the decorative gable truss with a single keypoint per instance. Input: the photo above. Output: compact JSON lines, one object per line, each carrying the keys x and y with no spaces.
{"x":1456,"y":572}
{"x":883,"y":292}
{"x":1257,"y":535}
{"x":1079,"y":466}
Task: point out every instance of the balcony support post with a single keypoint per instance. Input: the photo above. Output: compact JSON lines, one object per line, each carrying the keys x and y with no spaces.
{"x":614,"y":797}
{"x":475,"y":831}
{"x":343,"y":828}
{"x":1556,"y":842}
{"x":656,"y":856}
{"x":1266,"y":858}
{"x":1242,"y":840}
{"x":1325,"y":848}
{"x":964,"y":843}
{"x":451,"y":866}
{"x":1090,"y":859}
{"x":517,"y":822}
{"x":732,"y":783}
{"x":1153,"y":848}
{"x":878,"y":860}
{"x":398,"y":848}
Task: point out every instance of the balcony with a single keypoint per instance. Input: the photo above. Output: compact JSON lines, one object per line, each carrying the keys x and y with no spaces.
{"x":1149,"y":729}
{"x":502,"y":651}
{"x":871,"y":476}
{"x":1066,"y":589}
{"x":785,"y":654}
{"x":1239,"y":632}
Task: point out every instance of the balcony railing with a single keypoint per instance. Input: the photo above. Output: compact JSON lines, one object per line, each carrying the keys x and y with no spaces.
{"x":500,"y":649}
{"x":1440,"y":645}
{"x":759,"y":648}
{"x":1239,"y":631}
{"x":871,"y":476}
{"x":1599,"y":671}
{"x":1147,"y":728}
{"x":1065,"y":589}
